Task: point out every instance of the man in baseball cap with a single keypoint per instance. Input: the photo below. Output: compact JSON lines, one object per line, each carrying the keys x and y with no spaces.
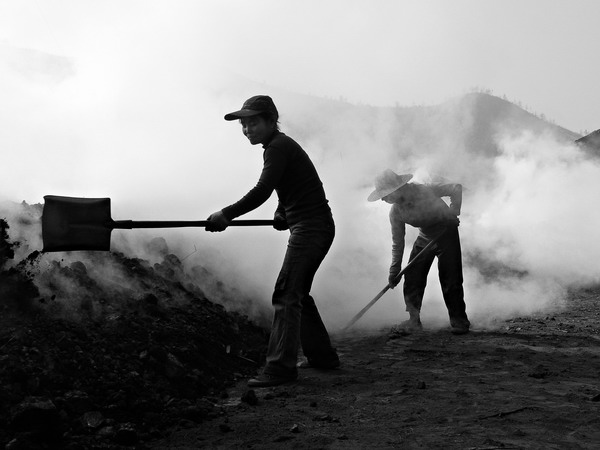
{"x":303,"y":209}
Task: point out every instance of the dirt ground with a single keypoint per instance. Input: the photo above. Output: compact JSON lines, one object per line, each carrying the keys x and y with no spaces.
{"x":109,"y":351}
{"x":532,"y":384}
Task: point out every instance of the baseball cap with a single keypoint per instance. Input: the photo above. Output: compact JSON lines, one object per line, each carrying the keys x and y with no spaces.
{"x":253,"y":106}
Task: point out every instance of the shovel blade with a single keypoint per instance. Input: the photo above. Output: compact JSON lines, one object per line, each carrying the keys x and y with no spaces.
{"x":73,"y":223}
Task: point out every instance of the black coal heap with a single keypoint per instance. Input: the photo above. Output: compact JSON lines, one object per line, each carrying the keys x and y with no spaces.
{"x":100,"y":350}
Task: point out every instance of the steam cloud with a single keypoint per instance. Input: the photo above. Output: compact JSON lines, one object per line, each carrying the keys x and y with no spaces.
{"x":151,"y":136}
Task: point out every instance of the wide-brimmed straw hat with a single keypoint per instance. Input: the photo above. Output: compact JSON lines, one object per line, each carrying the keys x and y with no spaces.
{"x":386,"y":183}
{"x":258,"y":104}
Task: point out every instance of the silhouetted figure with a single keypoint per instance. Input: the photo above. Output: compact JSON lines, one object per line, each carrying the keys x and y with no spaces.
{"x":304,"y":210}
{"x":421,"y":206}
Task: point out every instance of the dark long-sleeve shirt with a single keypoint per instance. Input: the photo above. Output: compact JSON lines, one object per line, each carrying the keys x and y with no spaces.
{"x":425,"y":210}
{"x":288,"y":170}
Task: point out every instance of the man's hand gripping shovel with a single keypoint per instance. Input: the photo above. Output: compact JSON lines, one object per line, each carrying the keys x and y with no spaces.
{"x":396,"y":281}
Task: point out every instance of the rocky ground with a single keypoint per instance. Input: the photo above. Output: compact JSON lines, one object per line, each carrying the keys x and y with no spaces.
{"x":104,"y":351}
{"x":533,"y":384}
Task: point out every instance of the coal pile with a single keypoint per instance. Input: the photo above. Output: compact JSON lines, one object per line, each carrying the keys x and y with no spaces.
{"x":101,"y":350}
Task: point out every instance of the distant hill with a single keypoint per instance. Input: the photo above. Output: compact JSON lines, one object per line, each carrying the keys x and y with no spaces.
{"x":492,"y":114}
{"x":457,"y":139}
{"x":460,"y":138}
{"x":475,"y":118}
{"x":590,"y":143}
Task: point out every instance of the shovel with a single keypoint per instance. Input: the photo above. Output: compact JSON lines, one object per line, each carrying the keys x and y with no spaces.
{"x":385,"y":289}
{"x":73,"y":223}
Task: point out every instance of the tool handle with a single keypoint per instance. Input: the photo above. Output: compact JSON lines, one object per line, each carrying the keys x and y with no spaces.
{"x":412,"y":261}
{"x":385,"y":289}
{"x":366,"y":308}
{"x":129,"y":224}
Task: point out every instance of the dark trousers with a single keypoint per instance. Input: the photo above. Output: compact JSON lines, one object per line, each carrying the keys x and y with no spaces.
{"x":296,"y":319}
{"x":447,"y":249}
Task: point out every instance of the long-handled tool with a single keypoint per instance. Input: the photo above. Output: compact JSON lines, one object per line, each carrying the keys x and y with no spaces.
{"x":73,"y":223}
{"x":397,"y":280}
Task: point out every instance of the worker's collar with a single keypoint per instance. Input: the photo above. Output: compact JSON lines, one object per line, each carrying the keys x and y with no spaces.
{"x":268,"y":141}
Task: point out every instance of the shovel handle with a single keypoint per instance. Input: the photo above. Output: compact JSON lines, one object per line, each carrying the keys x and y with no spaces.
{"x":129,"y":224}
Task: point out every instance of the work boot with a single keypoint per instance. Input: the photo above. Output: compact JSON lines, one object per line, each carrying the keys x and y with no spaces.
{"x":409,"y":326}
{"x":269,"y":380}
{"x":460,"y":326}
{"x":459,"y":330}
{"x":326,"y":365}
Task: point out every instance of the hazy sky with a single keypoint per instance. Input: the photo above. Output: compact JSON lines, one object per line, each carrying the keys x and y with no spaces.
{"x":542,"y":53}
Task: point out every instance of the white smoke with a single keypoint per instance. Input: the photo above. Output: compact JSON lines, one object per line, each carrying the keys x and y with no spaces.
{"x":137,"y":117}
{"x":527,"y":226}
{"x":538,"y":220}
{"x":543,"y":215}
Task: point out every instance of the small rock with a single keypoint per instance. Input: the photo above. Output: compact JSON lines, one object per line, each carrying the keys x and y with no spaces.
{"x":77,"y":402}
{"x":186,"y":423}
{"x":106,"y":432}
{"x":173,"y":367}
{"x":92,"y":419}
{"x":197,"y":412}
{"x":282,"y":438}
{"x":126,"y":434}
{"x":324,"y":417}
{"x":250,"y":397}
{"x":539,"y":372}
{"x":79,"y":268}
{"x":40,"y":416}
{"x":295,"y":428}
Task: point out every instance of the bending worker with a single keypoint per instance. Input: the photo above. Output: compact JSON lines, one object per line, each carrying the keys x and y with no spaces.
{"x":304,"y":210}
{"x":421,"y":206}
